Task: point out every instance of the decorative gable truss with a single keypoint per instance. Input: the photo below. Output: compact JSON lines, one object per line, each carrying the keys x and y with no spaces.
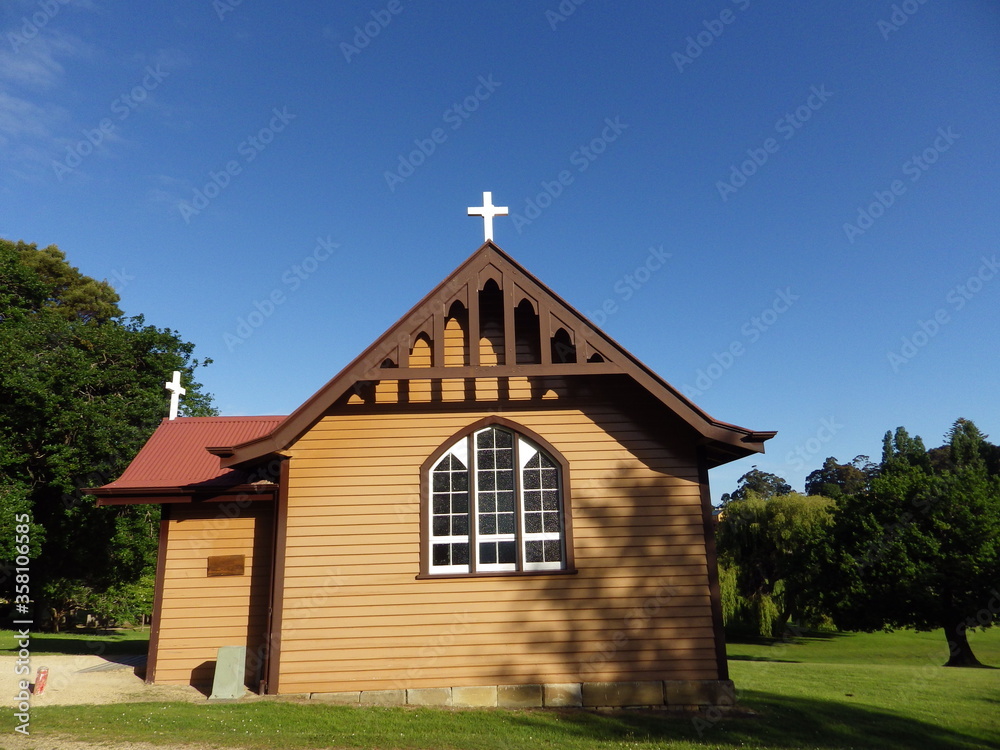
{"x":490,"y":332}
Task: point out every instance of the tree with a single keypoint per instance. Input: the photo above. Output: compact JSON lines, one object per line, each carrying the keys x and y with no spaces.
{"x":834,"y":479}
{"x":772,"y":549}
{"x":920,"y":547}
{"x":760,"y":483}
{"x":81,"y":389}
{"x":70,"y":294}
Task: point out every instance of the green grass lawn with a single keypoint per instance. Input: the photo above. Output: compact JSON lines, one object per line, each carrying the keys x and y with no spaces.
{"x":98,"y":642}
{"x":821,"y":691}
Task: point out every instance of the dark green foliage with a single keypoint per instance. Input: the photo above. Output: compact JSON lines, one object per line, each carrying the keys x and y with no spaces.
{"x":760,"y":484}
{"x":920,"y":547}
{"x":834,"y":480}
{"x":81,"y":389}
{"x":770,"y":554}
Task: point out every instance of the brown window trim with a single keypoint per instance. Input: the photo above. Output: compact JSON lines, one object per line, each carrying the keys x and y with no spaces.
{"x":425,"y":499}
{"x":496,"y":574}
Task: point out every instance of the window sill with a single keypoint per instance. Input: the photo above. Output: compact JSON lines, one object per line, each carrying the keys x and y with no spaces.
{"x":497,"y":574}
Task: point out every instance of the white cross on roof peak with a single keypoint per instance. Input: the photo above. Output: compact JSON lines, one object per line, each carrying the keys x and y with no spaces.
{"x":487,"y":211}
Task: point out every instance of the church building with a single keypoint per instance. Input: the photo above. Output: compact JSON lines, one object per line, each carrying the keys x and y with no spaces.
{"x":493,"y":504}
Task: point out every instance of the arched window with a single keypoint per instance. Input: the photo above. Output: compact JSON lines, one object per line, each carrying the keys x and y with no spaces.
{"x":495,"y":504}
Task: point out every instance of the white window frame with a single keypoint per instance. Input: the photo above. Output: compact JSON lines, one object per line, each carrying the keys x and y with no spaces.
{"x":523,"y":449}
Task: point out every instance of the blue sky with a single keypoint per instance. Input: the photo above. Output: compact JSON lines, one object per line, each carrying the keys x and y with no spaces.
{"x":823,"y":177}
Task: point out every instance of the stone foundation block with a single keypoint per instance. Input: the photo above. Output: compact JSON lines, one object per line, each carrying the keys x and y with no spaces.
{"x":383,"y":697}
{"x":519,"y":696}
{"x":558,"y":695}
{"x":343,"y":699}
{"x":700,"y":692}
{"x":428,"y":697}
{"x":478,"y":697}
{"x":623,"y":694}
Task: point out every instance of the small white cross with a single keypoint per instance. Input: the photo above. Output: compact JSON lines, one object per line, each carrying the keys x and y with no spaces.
{"x":488,"y":211}
{"x":174,"y":386}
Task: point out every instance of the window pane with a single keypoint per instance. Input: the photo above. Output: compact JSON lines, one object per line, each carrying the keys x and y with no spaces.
{"x":506,"y":523}
{"x":449,"y":511}
{"x":531,"y":480}
{"x":487,"y":553}
{"x":551,"y":500}
{"x":533,"y":552}
{"x":505,"y":502}
{"x":487,"y":502}
{"x":488,"y":523}
{"x":487,"y":480}
{"x":553,"y":550}
{"x":505,"y":480}
{"x":533,"y":523}
{"x":507,"y":552}
{"x":503,"y":438}
{"x":505,"y":459}
{"x":441,"y":556}
{"x":532,"y":500}
{"x":552,"y":522}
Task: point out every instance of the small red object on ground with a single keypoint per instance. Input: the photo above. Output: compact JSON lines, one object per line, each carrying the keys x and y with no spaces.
{"x":43,"y":676}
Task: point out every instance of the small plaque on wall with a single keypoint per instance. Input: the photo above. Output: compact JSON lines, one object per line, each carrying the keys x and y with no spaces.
{"x":226,"y":565}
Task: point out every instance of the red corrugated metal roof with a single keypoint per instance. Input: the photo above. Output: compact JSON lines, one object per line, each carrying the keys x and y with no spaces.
{"x":175,"y":455}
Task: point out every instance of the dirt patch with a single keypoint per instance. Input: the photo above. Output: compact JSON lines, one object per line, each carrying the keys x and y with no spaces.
{"x":69,"y":685}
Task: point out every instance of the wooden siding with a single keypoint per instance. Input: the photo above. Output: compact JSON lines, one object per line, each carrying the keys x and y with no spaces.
{"x":355,"y":617}
{"x":201,"y":613}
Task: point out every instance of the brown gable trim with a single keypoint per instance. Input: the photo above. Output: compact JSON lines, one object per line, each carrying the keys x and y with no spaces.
{"x":272,"y":669}
{"x":712,"y":558}
{"x":425,"y":498}
{"x":154,"y":626}
{"x":488,"y":262}
{"x":174,"y":495}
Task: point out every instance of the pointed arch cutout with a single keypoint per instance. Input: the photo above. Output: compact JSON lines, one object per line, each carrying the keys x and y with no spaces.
{"x":495,"y":500}
{"x":563,"y":348}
